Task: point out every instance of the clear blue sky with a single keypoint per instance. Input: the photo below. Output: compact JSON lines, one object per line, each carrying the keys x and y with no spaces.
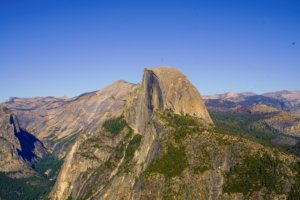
{"x":67,"y":47}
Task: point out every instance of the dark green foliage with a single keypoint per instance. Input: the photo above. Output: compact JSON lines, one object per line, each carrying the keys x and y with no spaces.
{"x":182,"y":124}
{"x":119,"y":153}
{"x":132,"y":146}
{"x":108,"y":164}
{"x":49,"y":163}
{"x":254,"y":173}
{"x":200,"y":169}
{"x":251,"y":126}
{"x":23,"y":189}
{"x":174,"y":161}
{"x":294,"y":149}
{"x":171,"y":164}
{"x":177,"y":120}
{"x":115,"y":125}
{"x":295,"y":190}
{"x":120,"y":150}
{"x":127,"y":149}
{"x":69,"y":198}
{"x":35,"y":187}
{"x":204,"y":159}
{"x":245,"y":124}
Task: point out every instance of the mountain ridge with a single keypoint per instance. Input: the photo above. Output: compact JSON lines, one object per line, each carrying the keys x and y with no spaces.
{"x":156,"y":140}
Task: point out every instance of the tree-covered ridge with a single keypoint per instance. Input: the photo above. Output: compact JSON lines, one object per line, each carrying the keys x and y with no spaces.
{"x":252,"y":126}
{"x":254,"y":172}
{"x":193,"y":154}
{"x":111,"y":150}
{"x":35,"y":187}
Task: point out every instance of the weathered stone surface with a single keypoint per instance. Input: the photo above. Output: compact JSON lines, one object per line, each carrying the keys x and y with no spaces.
{"x":19,"y":149}
{"x":57,"y":122}
{"x":105,"y":104}
{"x":167,"y":146}
{"x":168,"y":88}
{"x":162,"y":88}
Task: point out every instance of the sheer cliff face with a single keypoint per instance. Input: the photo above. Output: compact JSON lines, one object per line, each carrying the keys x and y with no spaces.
{"x":168,"y":88}
{"x":162,"y":88}
{"x":156,"y":141}
{"x":93,"y":146}
{"x":19,"y":149}
{"x":153,"y":140}
{"x":10,"y":159}
{"x":57,"y":122}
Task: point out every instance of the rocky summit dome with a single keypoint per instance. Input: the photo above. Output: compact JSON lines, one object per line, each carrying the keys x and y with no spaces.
{"x":167,"y":87}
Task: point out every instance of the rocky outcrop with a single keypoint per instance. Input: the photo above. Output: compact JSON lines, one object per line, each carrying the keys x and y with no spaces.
{"x":105,"y":104}
{"x":153,"y":140}
{"x":162,"y":88}
{"x":19,"y":149}
{"x":57,"y":122}
{"x":169,"y":149}
{"x":167,"y":88}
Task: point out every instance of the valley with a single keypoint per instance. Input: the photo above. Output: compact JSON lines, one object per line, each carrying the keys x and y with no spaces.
{"x":156,"y":140}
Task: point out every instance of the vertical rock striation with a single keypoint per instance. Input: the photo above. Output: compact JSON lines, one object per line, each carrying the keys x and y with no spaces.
{"x":19,"y":149}
{"x":162,"y":88}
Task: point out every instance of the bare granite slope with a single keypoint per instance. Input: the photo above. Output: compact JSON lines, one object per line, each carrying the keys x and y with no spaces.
{"x":19,"y":149}
{"x":162,"y":88}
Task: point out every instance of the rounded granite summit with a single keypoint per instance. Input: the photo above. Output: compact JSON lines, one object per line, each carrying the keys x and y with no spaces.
{"x":169,"y":88}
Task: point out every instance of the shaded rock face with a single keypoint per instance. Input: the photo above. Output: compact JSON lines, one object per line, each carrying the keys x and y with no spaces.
{"x":162,"y":88}
{"x":19,"y":149}
{"x":57,"y":122}
{"x":150,"y":141}
{"x":177,"y":156}
{"x":31,"y":148}
{"x":168,"y":88}
{"x":80,"y":159}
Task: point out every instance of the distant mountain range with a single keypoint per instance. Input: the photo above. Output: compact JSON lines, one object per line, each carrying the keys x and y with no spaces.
{"x":271,"y":117}
{"x":284,"y":100}
{"x":154,"y":140}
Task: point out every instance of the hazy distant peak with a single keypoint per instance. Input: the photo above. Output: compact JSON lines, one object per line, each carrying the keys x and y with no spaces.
{"x":116,"y":86}
{"x":230,"y":96}
{"x":285,"y":94}
{"x":32,"y":103}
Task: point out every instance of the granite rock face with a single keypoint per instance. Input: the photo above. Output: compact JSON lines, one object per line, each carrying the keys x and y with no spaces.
{"x":57,"y":122}
{"x":154,"y":140}
{"x":94,"y":147}
{"x":161,"y":144}
{"x":167,"y":88}
{"x":19,"y":149}
{"x":162,"y":88}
